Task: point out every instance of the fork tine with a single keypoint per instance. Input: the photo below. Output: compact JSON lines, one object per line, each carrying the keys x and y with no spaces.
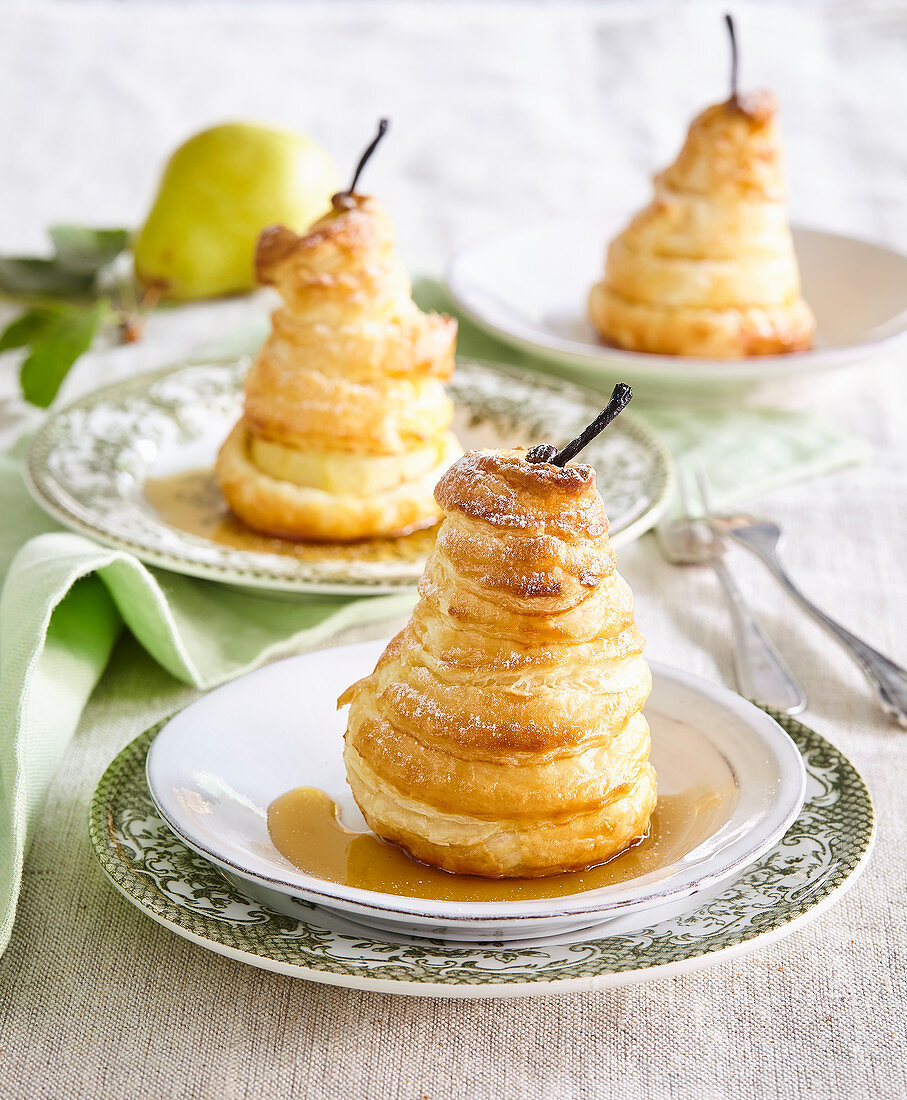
{"x":705,"y":490}
{"x":683,"y":493}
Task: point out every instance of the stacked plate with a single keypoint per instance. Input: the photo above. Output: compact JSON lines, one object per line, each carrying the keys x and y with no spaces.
{"x":746,"y":860}
{"x":214,"y":770}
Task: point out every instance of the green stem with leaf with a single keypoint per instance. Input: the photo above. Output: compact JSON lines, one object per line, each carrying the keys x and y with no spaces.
{"x":67,"y":305}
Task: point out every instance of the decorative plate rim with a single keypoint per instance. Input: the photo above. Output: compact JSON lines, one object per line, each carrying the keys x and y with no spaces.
{"x":37,"y":481}
{"x":579,"y":353}
{"x":457,"y":972}
{"x":587,"y":904}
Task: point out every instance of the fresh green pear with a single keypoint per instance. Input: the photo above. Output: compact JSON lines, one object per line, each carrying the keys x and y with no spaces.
{"x":217,"y":193}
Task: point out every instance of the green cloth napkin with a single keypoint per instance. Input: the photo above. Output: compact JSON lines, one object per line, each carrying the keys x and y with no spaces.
{"x":65,"y":599}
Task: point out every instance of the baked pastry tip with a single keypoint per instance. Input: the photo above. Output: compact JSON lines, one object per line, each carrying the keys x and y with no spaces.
{"x":708,"y":267}
{"x":346,"y":424}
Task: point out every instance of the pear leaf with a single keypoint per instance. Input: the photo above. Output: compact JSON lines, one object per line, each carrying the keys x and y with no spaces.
{"x":26,"y":327}
{"x":25,"y":275}
{"x":56,"y":343}
{"x":84,"y":251}
{"x":80,"y":254}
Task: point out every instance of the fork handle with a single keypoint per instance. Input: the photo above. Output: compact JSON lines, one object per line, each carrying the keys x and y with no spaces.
{"x":888,"y":679}
{"x":761,"y":672}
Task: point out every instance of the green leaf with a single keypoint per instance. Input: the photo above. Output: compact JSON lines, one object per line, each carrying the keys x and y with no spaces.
{"x":68,"y":334}
{"x":80,"y":254}
{"x":26,"y":327}
{"x":30,"y":275}
{"x":83,"y":250}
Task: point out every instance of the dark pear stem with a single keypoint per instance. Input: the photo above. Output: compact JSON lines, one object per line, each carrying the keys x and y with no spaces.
{"x":544,"y":452}
{"x":364,"y":159}
{"x":729,"y":19}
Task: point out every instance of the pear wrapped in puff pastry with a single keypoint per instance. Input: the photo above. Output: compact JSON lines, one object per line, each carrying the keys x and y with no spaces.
{"x":501,"y":732}
{"x":708,"y":267}
{"x":345,"y":426}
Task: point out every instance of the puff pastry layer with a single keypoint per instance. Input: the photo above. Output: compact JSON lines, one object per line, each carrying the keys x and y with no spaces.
{"x":345,"y":425}
{"x":501,"y":732}
{"x":708,"y":268}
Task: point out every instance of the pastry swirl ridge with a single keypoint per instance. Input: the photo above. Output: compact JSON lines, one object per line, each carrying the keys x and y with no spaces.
{"x":501,"y":733}
{"x":345,"y":425}
{"x":708,"y":267}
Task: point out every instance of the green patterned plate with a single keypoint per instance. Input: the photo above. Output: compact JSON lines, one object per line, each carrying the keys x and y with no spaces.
{"x":820,"y":856}
{"x":131,"y":465}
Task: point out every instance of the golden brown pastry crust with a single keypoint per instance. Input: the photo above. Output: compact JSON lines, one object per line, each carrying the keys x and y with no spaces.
{"x":711,"y":334}
{"x":501,"y":732}
{"x":276,"y":506}
{"x":708,"y":268}
{"x":351,"y":368}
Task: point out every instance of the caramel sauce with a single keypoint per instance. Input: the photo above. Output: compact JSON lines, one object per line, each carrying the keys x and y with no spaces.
{"x":192,"y":502}
{"x":306,"y":829}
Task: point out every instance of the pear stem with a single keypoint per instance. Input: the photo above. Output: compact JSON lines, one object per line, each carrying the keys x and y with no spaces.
{"x":544,"y":452}
{"x":729,"y":19}
{"x":364,"y":159}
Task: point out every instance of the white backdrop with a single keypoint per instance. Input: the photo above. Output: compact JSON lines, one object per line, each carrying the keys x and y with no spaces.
{"x":501,"y":111}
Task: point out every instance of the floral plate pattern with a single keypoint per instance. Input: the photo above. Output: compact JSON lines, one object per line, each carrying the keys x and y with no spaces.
{"x":88,"y":465}
{"x":819,"y":856}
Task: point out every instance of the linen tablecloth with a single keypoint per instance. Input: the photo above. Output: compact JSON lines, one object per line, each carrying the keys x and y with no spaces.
{"x":502,"y":111}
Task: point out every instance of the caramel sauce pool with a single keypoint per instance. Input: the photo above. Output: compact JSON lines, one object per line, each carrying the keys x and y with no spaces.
{"x":305,"y":828}
{"x":192,"y":502}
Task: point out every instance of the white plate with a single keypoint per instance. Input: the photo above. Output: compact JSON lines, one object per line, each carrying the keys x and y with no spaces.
{"x":214,"y":769}
{"x":91,"y":466}
{"x":546,"y":935}
{"x":529,"y":286}
{"x":819,"y":857}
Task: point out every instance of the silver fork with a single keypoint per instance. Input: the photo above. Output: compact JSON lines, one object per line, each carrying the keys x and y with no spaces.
{"x":763,"y":539}
{"x":760,"y":669}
